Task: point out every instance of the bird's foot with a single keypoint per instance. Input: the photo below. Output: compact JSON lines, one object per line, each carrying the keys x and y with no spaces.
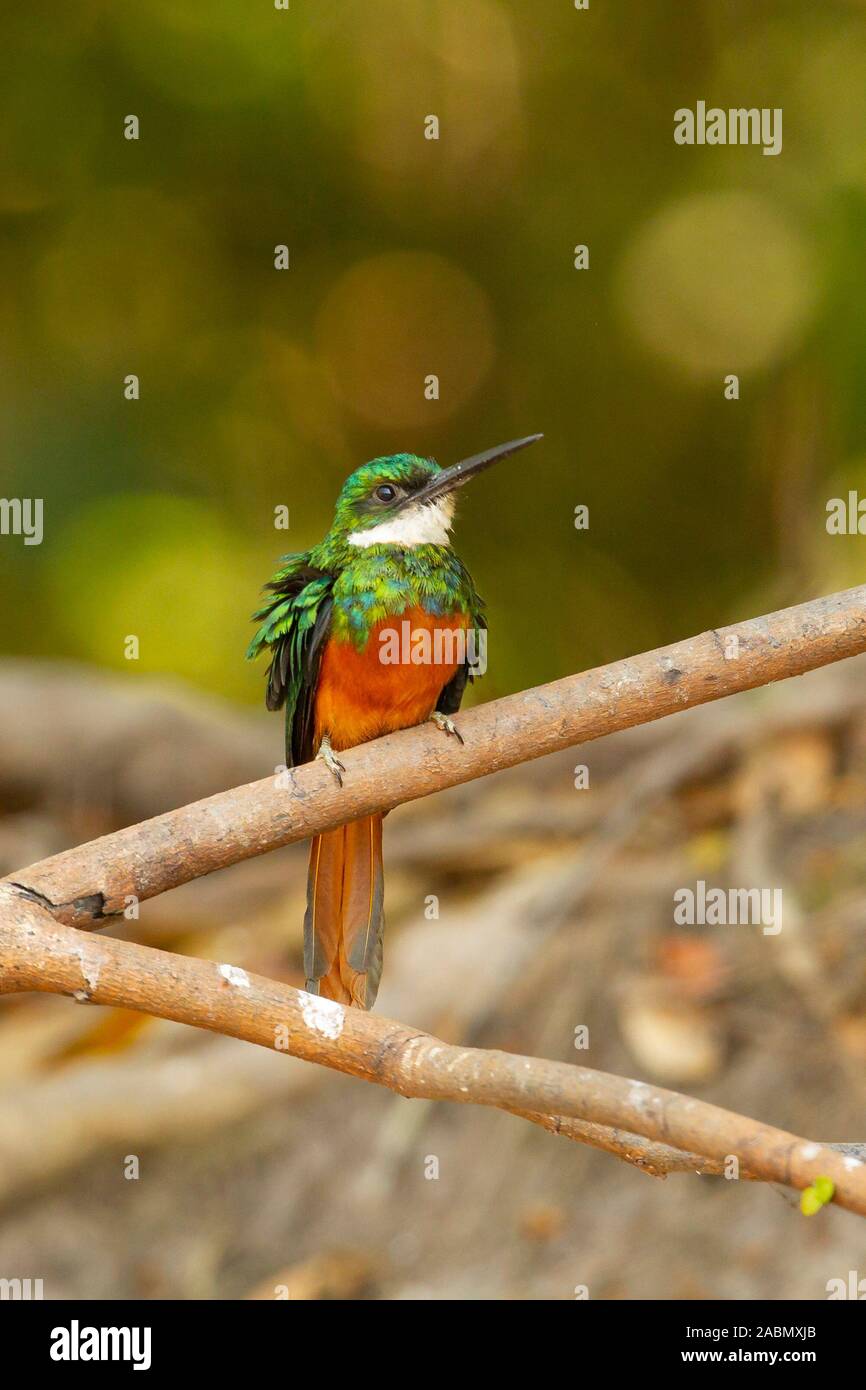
{"x":446,"y":725}
{"x":330,"y":759}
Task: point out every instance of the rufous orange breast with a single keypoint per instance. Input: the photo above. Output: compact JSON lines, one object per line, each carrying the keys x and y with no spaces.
{"x":363,"y":694}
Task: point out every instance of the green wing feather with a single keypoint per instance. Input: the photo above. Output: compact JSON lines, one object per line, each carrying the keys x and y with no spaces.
{"x":293,"y":624}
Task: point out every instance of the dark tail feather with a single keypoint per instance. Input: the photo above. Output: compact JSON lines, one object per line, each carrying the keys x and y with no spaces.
{"x":345,"y":921}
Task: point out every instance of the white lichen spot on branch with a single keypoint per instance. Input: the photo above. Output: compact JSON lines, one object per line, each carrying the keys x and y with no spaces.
{"x":324,"y":1016}
{"x":234,"y":975}
{"x":91,"y":965}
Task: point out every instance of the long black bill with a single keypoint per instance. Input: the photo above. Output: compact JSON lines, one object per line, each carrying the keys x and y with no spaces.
{"x":460,"y":473}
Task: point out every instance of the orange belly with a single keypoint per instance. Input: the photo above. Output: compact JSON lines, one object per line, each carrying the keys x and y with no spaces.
{"x":361,"y":695}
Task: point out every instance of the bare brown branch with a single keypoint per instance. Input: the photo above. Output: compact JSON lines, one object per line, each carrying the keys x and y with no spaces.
{"x":84,"y":885}
{"x":39,"y":953}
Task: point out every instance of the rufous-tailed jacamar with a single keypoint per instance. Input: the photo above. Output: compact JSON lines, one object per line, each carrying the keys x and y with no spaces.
{"x":386,"y":560}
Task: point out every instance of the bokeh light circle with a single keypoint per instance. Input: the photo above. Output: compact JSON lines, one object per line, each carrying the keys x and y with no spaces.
{"x":719,"y":282}
{"x":394,"y":320}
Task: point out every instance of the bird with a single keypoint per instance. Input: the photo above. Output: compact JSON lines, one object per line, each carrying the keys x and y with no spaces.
{"x":377,"y":628}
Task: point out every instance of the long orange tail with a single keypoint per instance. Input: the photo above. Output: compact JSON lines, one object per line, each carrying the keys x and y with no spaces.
{"x":345,"y":920}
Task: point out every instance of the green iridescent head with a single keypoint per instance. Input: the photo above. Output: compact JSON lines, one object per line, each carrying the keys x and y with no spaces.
{"x":378,"y":490}
{"x":404,"y":499}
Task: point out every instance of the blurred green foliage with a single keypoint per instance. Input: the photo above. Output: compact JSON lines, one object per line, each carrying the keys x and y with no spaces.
{"x":410,"y":257}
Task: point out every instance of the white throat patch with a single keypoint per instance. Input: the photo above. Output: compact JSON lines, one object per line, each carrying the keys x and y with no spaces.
{"x":418,"y":525}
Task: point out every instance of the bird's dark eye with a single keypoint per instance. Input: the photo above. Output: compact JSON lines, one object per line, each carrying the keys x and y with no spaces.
{"x":385,"y":493}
